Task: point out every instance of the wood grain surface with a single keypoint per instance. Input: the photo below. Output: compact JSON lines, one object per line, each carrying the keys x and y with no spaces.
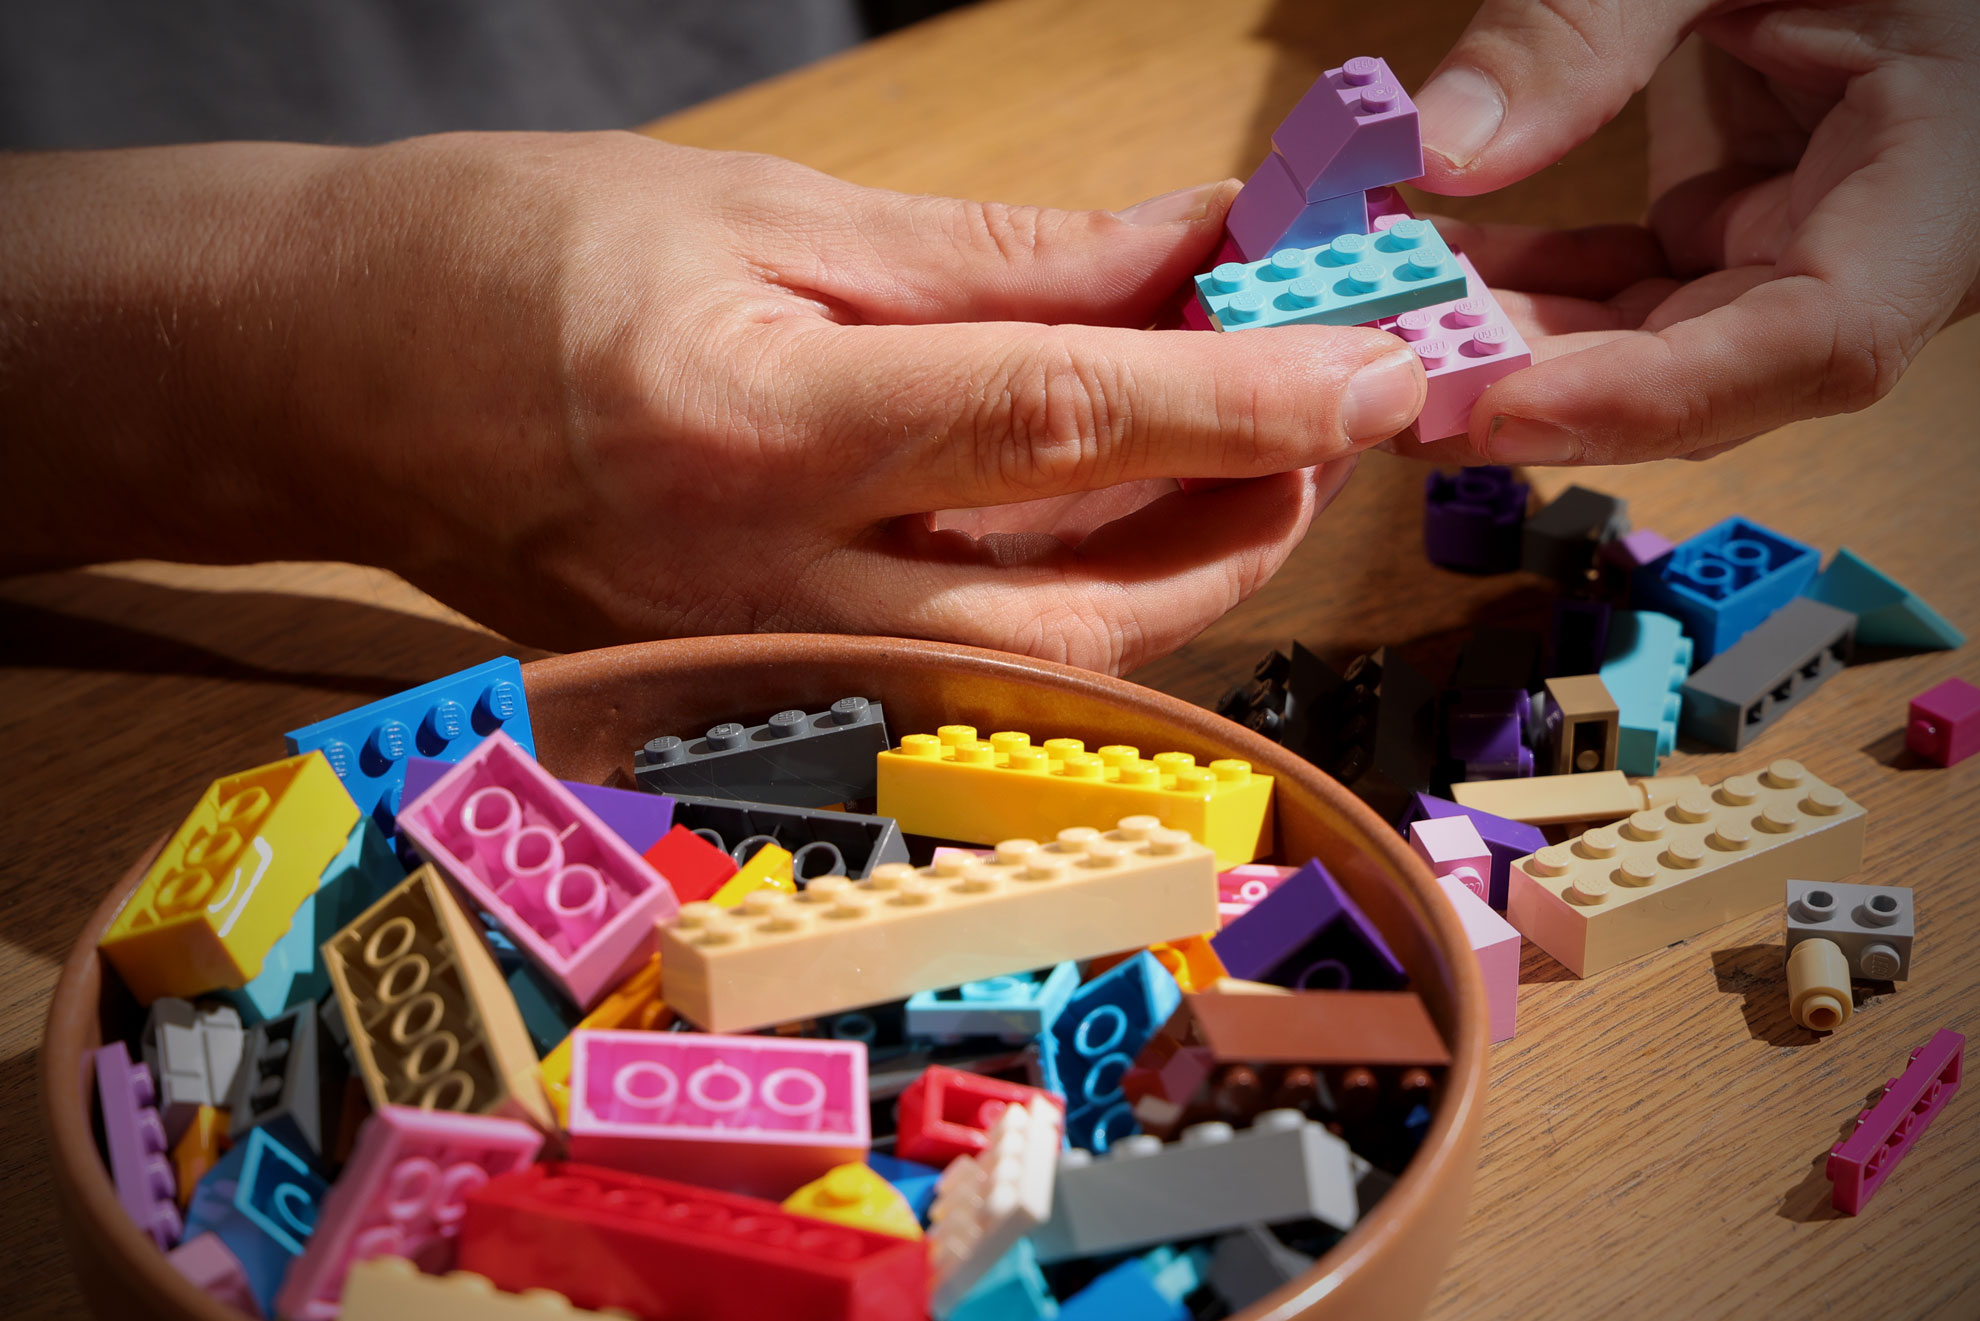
{"x":1655,"y":1135}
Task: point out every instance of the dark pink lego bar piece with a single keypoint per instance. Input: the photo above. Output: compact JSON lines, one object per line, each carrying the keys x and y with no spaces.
{"x":136,"y":1138}
{"x":1355,"y":129}
{"x":1859,"y":1164}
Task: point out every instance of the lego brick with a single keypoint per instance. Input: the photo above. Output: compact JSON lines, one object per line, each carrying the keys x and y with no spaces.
{"x":135,"y":1139}
{"x":954,"y":786}
{"x":569,"y":892}
{"x":368,"y":748}
{"x":1352,"y":279}
{"x":1318,"y":1028}
{"x":695,"y":869}
{"x":985,"y":1203}
{"x":1401,"y":752}
{"x":393,"y":1289}
{"x":1635,"y":550}
{"x":1250,"y":1263}
{"x":430,"y":1020}
{"x":1452,"y":847}
{"x":1240,"y":888}
{"x":633,"y":1005}
{"x":754,"y":1115}
{"x":1272,"y":212}
{"x":637,"y":817}
{"x":914,"y":1181}
{"x":1887,"y":1131}
{"x":1309,"y":934}
{"x":1584,"y":725}
{"x":1297,"y":700}
{"x":216,"y":1272}
{"x":821,"y":843}
{"x":604,"y":1238}
{"x":1507,"y":839}
{"x":261,"y":1200}
{"x":1818,"y":985}
{"x":1669,"y":873}
{"x":1545,"y":800}
{"x":792,"y":758}
{"x":1094,"y":1042}
{"x":1014,"y":1008}
{"x":840,"y":944}
{"x":1737,"y":694}
{"x":1943,"y":723}
{"x":198,"y":1149}
{"x":1496,"y":943}
{"x":194,"y":1053}
{"x":1354,"y":129}
{"x":1127,"y":1290}
{"x":1486,"y":734}
{"x":1472,"y":519}
{"x":1887,"y":613}
{"x":287,"y":1084}
{"x":769,"y":868}
{"x":224,"y":887}
{"x":855,"y":1195}
{"x":1871,"y":924}
{"x":1213,"y":1178}
{"x":1464,"y":344}
{"x":1561,"y":540}
{"x":1648,"y":660}
{"x":400,"y":1196}
{"x":1012,"y":1290}
{"x":1721,"y":583}
{"x":1578,"y":642}
{"x":1192,"y":961}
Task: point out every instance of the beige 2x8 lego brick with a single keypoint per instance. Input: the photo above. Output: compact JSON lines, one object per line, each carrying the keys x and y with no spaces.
{"x":1666,"y":874}
{"x":840,"y":944}
{"x":393,"y":1289}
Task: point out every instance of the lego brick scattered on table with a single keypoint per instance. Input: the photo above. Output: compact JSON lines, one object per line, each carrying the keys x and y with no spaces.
{"x":1464,"y":345}
{"x":1648,"y":661}
{"x":1887,"y":613}
{"x":1819,"y":997}
{"x":1887,"y":1131}
{"x":1943,"y":723}
{"x":984,"y":1204}
{"x":1472,"y":519}
{"x":1584,"y":725}
{"x":1401,"y":748}
{"x":1352,"y":279}
{"x":1486,"y":734}
{"x":1452,"y":847}
{"x":1578,"y":641}
{"x":1723,"y":582}
{"x":1507,"y":839}
{"x":1738,"y":694}
{"x":1308,"y":933}
{"x":1561,"y":540}
{"x":135,"y":1139}
{"x":1546,"y":800}
{"x":1871,"y":924}
{"x":793,"y":758}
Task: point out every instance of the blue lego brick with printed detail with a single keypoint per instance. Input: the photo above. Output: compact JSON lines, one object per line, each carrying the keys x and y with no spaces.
{"x":1888,"y":614}
{"x":1354,"y":279}
{"x":1094,"y":1042}
{"x":445,"y":720}
{"x":1721,"y":583}
{"x":261,"y":1199}
{"x":1649,"y":658}
{"x":911,"y":1179}
{"x":1013,"y":1289}
{"x":1015,"y":1008}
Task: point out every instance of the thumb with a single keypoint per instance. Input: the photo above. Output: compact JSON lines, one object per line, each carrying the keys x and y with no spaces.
{"x":1531,"y":79}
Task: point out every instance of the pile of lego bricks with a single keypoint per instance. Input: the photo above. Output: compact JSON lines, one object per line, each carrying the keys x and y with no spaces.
{"x":809,"y":1024}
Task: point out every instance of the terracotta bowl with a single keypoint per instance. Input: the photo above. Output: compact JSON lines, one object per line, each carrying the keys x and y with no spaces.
{"x":591,"y":710}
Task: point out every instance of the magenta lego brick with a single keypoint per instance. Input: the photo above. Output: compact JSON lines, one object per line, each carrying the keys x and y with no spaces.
{"x":1307,"y":934}
{"x":215,"y":1271}
{"x":572,"y":895}
{"x":1472,"y":519}
{"x":1888,"y":1130}
{"x":135,"y":1136}
{"x":1464,"y":346}
{"x":1273,"y":213}
{"x":1507,"y":840}
{"x":639,"y":818}
{"x":1943,"y":724}
{"x":1355,"y":129}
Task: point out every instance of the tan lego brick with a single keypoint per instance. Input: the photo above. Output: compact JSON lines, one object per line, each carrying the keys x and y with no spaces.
{"x":1666,"y":874}
{"x":1590,"y":724}
{"x":432,"y":1022}
{"x":840,"y":944}
{"x":1318,"y":1027}
{"x":1547,"y":800}
{"x":392,"y":1289}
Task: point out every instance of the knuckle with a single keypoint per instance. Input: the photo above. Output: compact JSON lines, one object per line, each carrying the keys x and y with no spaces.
{"x":1066,"y":416}
{"x":1868,"y":353}
{"x":1013,"y":233}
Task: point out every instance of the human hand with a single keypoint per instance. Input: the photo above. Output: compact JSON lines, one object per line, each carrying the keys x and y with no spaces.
{"x":1815,"y":172}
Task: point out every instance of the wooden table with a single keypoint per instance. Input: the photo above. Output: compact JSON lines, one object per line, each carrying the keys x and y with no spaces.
{"x":1655,"y":1137}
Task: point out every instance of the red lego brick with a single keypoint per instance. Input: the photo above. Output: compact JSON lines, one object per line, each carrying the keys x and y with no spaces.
{"x":1944,"y":723}
{"x":693,"y":866}
{"x":946,"y":1113}
{"x":660,"y":1249}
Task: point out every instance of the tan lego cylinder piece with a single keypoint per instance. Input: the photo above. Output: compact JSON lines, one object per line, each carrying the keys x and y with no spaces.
{"x":1818,"y":985}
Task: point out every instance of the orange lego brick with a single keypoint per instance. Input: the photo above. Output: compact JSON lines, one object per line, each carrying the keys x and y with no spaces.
{"x":198,"y":1149}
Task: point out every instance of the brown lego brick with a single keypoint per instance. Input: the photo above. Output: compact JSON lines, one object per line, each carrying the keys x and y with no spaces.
{"x":1590,"y":724}
{"x":1318,"y":1027}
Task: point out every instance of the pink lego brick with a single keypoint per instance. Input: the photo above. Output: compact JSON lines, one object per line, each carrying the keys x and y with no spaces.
{"x":1859,"y":1164}
{"x":1464,"y":346}
{"x":1387,"y":204}
{"x":1355,"y":129}
{"x":756,"y":1115}
{"x":1944,"y":723}
{"x":1453,"y":848}
{"x":400,"y":1196}
{"x":139,"y":1165}
{"x":1496,"y":943}
{"x":1244,"y":885}
{"x":1272,"y":212}
{"x":215,"y":1271}
{"x":1636,"y":550}
{"x":573,"y":896}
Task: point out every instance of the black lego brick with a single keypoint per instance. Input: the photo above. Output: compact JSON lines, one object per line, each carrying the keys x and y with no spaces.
{"x":1560,"y":541}
{"x":813,"y":836}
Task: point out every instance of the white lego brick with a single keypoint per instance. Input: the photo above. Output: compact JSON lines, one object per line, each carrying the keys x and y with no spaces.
{"x":196,"y":1054}
{"x":985,"y":1203}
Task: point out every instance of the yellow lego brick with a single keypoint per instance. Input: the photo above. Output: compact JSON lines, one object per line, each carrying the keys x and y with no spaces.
{"x":854,"y":1195}
{"x":840,"y":944}
{"x":392,"y":1289}
{"x":1669,"y":873}
{"x":633,"y":1005}
{"x":227,"y":885}
{"x":1192,"y":961}
{"x":432,"y":1022}
{"x":953,"y":785}
{"x":769,"y":868}
{"x":1547,"y":800}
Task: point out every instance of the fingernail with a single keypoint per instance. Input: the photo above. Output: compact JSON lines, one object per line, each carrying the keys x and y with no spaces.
{"x":1520,"y":440}
{"x":1383,"y":397}
{"x":1182,"y":207}
{"x":1458,"y":113}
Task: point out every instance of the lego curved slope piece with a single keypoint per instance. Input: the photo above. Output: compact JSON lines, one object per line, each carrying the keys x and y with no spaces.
{"x":793,"y":758}
{"x":1859,"y":1164}
{"x":1943,"y":723}
{"x":1648,"y":660}
{"x":1887,"y":613}
{"x":1352,"y":280}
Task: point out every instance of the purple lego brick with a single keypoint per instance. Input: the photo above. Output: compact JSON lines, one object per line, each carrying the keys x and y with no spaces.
{"x":1580,"y":638}
{"x":1859,"y":1164}
{"x":1635,"y":550}
{"x":1272,"y":212}
{"x":136,"y":1137}
{"x":214,"y":1269}
{"x":637,"y":817}
{"x":1487,"y":732}
{"x":1355,"y":129}
{"x":1506,"y":839}
{"x":1472,"y":519}
{"x":1309,"y":935}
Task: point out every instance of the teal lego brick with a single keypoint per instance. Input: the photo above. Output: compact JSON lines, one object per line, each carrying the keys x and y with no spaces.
{"x":1888,"y":614}
{"x":1354,"y":279}
{"x":1649,"y":658}
{"x":1012,"y":1290}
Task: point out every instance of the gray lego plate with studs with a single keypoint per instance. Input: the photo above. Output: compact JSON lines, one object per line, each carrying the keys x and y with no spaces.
{"x":1871,"y":924}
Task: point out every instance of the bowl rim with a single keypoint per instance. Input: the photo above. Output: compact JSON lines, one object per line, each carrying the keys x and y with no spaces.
{"x":83,"y":1180}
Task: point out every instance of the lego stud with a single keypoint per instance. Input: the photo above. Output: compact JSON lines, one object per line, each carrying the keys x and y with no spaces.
{"x":1588,"y":890}
{"x":1468,"y":312}
{"x":1691,"y":807}
{"x":390,"y":743}
{"x":1118,"y":755}
{"x":850,"y":711}
{"x":1306,"y":291}
{"x":1137,"y":1146}
{"x":1818,"y":985}
{"x":961,"y":736}
{"x":1637,"y":872}
{"x":1823,"y":801}
{"x":665,"y":750}
{"x":1644,"y":825}
{"x":785,"y":724}
{"x":1778,"y":819}
{"x":1880,"y":911}
{"x":1432,"y":353}
{"x":1554,"y":860}
{"x":1488,"y":341}
{"x":1227,"y":278}
{"x":498,"y":705}
{"x":1081,"y":766}
{"x":1061,"y":748}
{"x":1814,"y":906}
{"x":1231,"y":771}
{"x":974,"y":754}
{"x":1682,"y":855}
{"x":1879,"y":962}
{"x":1414,"y":325}
{"x":1404,"y":235}
{"x":1378,"y":99}
{"x":725,"y":737}
{"x":1729,"y":837}
{"x":447,"y":721}
{"x":1361,"y":70}
{"x":1361,"y":278}
{"x":1138,"y":827}
{"x":1029,"y":761}
{"x":1285,"y":264}
{"x":1737,"y":790}
{"x":1344,"y":250}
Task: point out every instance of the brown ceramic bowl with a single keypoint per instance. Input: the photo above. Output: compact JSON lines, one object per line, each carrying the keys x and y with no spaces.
{"x":591,"y":710}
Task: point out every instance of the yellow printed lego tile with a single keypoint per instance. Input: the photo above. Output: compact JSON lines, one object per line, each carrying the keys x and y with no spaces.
{"x":768,"y":868}
{"x":953,"y":785}
{"x":857,"y":1196}
{"x":392,"y":1289}
{"x":633,"y":1005}
{"x":229,"y":882}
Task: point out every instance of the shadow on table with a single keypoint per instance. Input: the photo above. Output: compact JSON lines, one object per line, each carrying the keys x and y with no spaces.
{"x":1758,"y":974}
{"x":1812,"y":1199}
{"x":1892,"y":752}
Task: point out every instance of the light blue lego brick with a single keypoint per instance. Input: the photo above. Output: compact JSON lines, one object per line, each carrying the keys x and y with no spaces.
{"x":1887,"y":612}
{"x":1127,"y":1291}
{"x":444,"y":720}
{"x":1723,"y":582}
{"x":1094,"y":1042}
{"x":293,"y":973}
{"x":1012,"y":1290}
{"x":1015,"y":1008}
{"x":913,"y":1180}
{"x":1356,"y":278}
{"x":1649,"y":658}
{"x":261,"y":1199}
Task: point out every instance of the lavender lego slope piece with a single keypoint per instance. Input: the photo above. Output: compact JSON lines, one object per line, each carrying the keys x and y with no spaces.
{"x":637,"y":817}
{"x":1272,"y":212}
{"x":136,"y":1138}
{"x":1354,"y":129}
{"x":1507,"y":840}
{"x":1309,"y":935}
